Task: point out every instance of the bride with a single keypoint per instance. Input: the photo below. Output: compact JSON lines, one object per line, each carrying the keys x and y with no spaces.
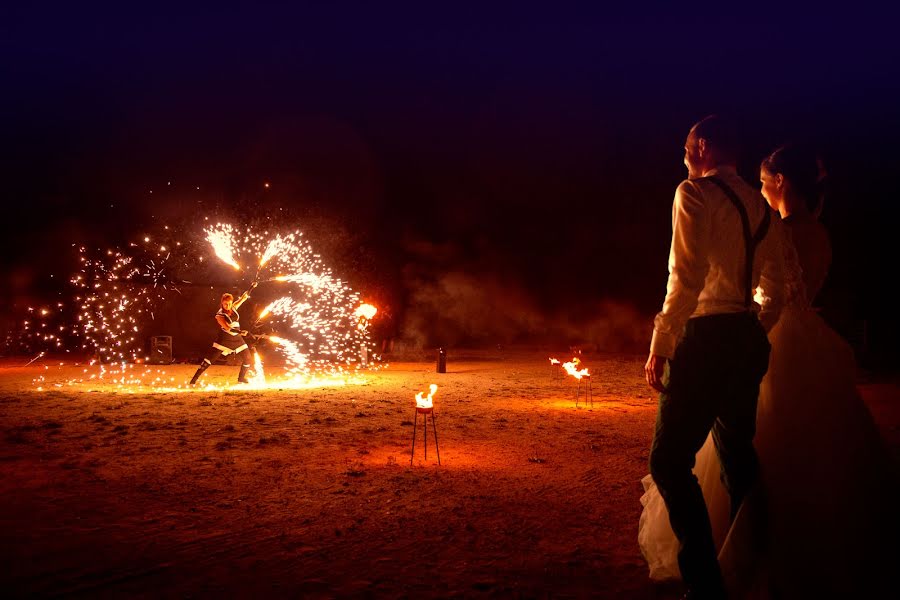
{"x":818,"y":521}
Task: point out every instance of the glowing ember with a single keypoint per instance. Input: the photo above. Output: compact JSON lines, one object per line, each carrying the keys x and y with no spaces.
{"x":423,"y":402}
{"x":573,"y":370}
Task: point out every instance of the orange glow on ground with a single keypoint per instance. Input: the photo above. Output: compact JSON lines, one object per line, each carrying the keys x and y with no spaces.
{"x":321,"y":478}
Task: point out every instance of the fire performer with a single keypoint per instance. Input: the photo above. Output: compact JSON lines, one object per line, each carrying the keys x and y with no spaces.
{"x":231,"y":337}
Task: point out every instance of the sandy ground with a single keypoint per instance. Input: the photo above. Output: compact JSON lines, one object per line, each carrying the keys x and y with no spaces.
{"x":310,"y":493}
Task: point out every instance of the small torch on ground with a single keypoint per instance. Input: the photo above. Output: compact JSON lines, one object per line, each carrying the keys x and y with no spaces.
{"x":583,"y":377}
{"x":365,"y":312}
{"x":425,"y":406}
{"x":554,"y":368}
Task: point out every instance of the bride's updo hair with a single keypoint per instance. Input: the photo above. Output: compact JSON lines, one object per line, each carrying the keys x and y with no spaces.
{"x":802,"y":167}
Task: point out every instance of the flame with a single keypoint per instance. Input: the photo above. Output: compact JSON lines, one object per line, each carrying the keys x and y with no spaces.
{"x":366,"y":311}
{"x":266,"y":310}
{"x":222,"y":240}
{"x":573,"y":370}
{"x":554,"y":361}
{"x":260,"y":377}
{"x":426,"y":402}
{"x":760,"y":296}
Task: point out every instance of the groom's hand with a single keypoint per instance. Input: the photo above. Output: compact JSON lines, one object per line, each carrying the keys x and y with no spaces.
{"x":653,"y":371}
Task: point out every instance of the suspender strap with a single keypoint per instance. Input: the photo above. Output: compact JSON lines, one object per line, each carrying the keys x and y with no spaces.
{"x":750,"y":241}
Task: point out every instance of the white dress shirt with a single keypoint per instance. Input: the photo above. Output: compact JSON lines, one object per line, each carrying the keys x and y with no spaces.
{"x":706,"y":261}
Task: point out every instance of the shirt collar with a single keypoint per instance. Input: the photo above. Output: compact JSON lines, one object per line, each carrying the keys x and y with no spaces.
{"x":721,"y":170}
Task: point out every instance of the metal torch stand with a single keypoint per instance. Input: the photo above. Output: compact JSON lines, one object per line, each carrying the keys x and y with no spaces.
{"x":588,"y":392}
{"x":426,"y":412}
{"x":555,"y":372}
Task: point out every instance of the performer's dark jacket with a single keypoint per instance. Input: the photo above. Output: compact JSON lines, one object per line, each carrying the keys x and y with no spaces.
{"x":229,"y":342}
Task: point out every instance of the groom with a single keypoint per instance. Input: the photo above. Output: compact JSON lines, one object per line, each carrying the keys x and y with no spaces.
{"x":712,"y":342}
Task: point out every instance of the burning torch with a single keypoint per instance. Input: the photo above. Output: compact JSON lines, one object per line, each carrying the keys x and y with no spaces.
{"x":365,"y":312}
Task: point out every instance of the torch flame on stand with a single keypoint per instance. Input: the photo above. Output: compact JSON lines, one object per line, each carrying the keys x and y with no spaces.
{"x":554,"y":361}
{"x":366,"y":311}
{"x":573,"y":370}
{"x":422,"y":402}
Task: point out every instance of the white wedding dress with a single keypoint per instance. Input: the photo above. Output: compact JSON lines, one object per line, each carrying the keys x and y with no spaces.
{"x":827,"y":484}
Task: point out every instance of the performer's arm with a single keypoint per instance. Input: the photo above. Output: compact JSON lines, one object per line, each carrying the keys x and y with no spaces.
{"x":239,"y":301}
{"x":244,"y":296}
{"x":224,"y":325}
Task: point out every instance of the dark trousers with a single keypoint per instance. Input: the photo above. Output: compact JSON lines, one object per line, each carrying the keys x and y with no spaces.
{"x":712,"y":384}
{"x":215,"y":354}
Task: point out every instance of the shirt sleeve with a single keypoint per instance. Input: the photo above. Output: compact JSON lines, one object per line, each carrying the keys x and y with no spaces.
{"x":688,"y":267}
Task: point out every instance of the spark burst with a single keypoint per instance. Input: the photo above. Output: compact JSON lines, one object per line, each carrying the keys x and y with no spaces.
{"x":118,"y":292}
{"x":315,"y":314}
{"x":114,"y":297}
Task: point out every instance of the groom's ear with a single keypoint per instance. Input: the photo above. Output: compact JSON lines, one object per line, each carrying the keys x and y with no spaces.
{"x":702,"y":147}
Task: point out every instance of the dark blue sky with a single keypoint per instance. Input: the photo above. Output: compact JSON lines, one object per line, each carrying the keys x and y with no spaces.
{"x":502,"y":133}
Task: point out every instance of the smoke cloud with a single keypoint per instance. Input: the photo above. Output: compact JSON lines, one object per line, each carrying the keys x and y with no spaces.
{"x":468,"y":308}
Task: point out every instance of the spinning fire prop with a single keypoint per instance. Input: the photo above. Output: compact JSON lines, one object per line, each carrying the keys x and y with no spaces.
{"x":425,"y":406}
{"x":322,"y":326}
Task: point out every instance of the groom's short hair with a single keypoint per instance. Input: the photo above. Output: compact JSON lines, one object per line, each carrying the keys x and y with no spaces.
{"x":721,"y":133}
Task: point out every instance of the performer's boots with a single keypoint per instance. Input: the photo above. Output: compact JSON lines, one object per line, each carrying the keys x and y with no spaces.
{"x":203,"y":366}
{"x":242,"y":376}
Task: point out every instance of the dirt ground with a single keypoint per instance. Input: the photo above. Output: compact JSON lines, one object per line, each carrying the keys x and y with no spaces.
{"x":310,"y":493}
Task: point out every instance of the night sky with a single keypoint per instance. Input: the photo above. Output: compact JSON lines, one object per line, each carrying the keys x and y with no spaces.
{"x":518,"y":164}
